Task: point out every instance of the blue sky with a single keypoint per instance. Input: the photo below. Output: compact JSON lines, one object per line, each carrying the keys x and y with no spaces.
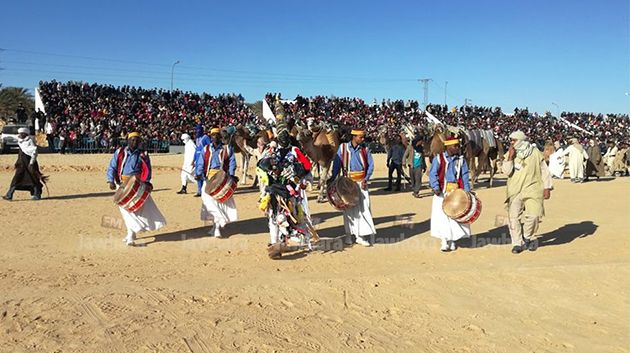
{"x":496,"y":53}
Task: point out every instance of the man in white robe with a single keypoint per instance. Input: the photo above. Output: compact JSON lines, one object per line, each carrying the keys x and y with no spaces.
{"x":188,"y":167}
{"x":215,"y":157}
{"x":126,"y":162}
{"x":354,"y":160}
{"x":556,"y":161}
{"x":577,"y":156}
{"x":449,"y":171}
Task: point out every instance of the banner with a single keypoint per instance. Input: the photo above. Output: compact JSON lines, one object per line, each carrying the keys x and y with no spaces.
{"x":38,"y":101}
{"x":574,"y":126}
{"x":432,"y":118}
{"x":267,"y":113}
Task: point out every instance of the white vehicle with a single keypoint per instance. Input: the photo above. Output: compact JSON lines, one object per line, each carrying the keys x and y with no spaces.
{"x":9,"y":137}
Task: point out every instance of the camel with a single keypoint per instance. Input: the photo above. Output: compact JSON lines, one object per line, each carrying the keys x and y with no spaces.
{"x":386,"y":141}
{"x":488,"y":158}
{"x":321,"y":149}
{"x":243,"y":141}
{"x":480,"y":157}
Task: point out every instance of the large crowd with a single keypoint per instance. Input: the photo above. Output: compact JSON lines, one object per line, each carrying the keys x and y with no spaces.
{"x":106,"y":114}
{"x":395,"y":114}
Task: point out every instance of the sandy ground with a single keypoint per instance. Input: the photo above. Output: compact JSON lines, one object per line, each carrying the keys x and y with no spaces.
{"x":68,"y":284}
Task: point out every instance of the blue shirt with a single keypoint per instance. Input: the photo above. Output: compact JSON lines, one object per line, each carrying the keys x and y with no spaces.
{"x":132,"y":166}
{"x":449,"y":173}
{"x":215,"y":161}
{"x":200,"y":143}
{"x":418,"y":159}
{"x":355,"y":161}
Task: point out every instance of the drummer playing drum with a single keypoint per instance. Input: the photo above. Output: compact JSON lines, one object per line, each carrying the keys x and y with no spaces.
{"x":127,"y":162}
{"x":449,"y":171}
{"x":213,"y":158}
{"x":354,"y":160}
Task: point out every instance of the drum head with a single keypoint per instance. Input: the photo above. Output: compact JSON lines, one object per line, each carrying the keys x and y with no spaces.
{"x":456,"y":203}
{"x":216,"y":180}
{"x":348,"y":190}
{"x":125,"y":189}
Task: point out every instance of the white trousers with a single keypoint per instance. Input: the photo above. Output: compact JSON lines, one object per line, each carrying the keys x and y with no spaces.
{"x":442,"y":226}
{"x":187,"y":175}
{"x":148,"y":217}
{"x":358,"y":220}
{"x":220,"y":213}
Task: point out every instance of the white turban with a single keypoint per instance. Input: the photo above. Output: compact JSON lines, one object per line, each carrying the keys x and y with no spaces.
{"x":518,"y":135}
{"x":522,"y":147}
{"x":23,"y":130}
{"x":185,"y":137}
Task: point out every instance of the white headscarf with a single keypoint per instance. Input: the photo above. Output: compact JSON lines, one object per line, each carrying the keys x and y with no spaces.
{"x":28,"y":146}
{"x":185,"y":137}
{"x":522,"y":146}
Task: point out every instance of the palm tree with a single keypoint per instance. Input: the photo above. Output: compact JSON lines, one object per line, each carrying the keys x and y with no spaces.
{"x":11,"y":98}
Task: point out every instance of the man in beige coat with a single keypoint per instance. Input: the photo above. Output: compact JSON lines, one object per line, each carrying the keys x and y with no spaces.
{"x":528,"y":184}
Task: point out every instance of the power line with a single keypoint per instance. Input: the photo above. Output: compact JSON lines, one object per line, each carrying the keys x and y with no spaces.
{"x":283,"y":75}
{"x":189,"y":74}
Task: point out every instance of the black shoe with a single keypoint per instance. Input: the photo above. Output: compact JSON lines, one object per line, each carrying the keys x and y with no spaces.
{"x":388,"y":189}
{"x":517,"y":249}
{"x":197,"y":195}
{"x":532,"y":245}
{"x":182,"y":191}
{"x":7,"y":198}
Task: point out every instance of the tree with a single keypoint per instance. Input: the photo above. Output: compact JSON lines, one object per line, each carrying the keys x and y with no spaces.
{"x":10,"y":99}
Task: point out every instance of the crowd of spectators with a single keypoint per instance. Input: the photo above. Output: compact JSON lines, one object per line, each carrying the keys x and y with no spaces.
{"x":540,"y":128}
{"x":104,"y":114}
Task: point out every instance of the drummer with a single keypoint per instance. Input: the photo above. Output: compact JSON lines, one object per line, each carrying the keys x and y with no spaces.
{"x":354,"y":160}
{"x":214,"y":157}
{"x":449,"y":171}
{"x":126,"y":162}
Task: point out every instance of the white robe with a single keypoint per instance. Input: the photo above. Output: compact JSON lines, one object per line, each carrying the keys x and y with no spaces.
{"x":148,"y":217}
{"x":576,"y":161}
{"x":220,"y":213}
{"x":442,"y":226}
{"x":187,"y":176}
{"x":188,"y":173}
{"x":556,"y":163}
{"x":358,"y":219}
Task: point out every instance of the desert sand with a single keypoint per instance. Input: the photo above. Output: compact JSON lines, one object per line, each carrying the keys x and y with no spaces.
{"x":69,"y":284}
